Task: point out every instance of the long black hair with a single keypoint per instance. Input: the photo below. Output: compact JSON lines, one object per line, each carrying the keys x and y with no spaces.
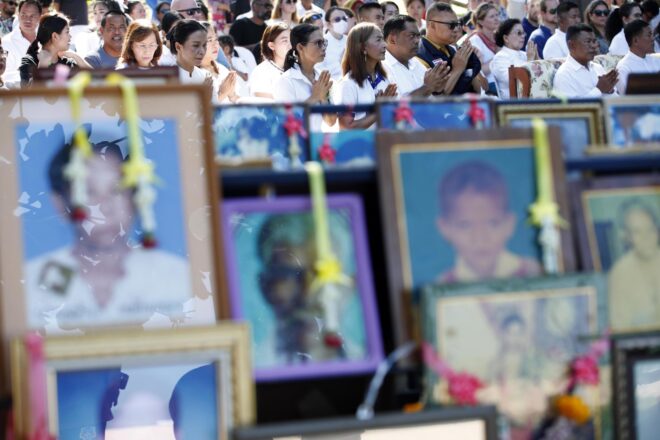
{"x":48,"y":24}
{"x":299,"y":35}
{"x":181,"y":31}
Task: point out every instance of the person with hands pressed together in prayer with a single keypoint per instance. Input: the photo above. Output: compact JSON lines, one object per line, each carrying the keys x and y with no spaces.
{"x":579,"y":76}
{"x":510,"y":36}
{"x":637,"y":60}
{"x":224,"y":80}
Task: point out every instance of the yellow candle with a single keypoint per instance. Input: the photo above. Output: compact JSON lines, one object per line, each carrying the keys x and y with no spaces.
{"x":319,"y":210}
{"x":543,"y":163}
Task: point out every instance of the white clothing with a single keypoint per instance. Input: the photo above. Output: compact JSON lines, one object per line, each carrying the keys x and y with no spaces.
{"x":16,"y":45}
{"x":556,"y":46}
{"x":293,"y":86}
{"x":349,"y":92}
{"x":619,"y":45}
{"x":59,"y":299}
{"x":631,"y":63}
{"x":264,"y":78}
{"x":247,"y":14}
{"x":407,"y":78}
{"x":86,"y":42}
{"x":333,"y":56}
{"x":244,"y":62}
{"x":167,"y":58}
{"x":486,"y":54}
{"x":198,"y":76}
{"x":301,"y":11}
{"x":500,"y":64}
{"x":576,"y":81}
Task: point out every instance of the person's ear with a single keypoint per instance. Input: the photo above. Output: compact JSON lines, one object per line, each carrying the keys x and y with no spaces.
{"x":178,"y":47}
{"x":271,"y":46}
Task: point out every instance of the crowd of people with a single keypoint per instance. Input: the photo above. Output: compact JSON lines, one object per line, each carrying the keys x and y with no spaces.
{"x":335,"y":51}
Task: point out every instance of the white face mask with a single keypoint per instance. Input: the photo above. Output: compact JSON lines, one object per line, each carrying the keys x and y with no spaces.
{"x":340,"y":27}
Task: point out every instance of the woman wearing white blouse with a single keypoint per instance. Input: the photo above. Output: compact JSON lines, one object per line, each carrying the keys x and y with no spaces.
{"x":275,"y":44}
{"x":486,"y":20}
{"x":510,"y":36}
{"x":364,"y":75}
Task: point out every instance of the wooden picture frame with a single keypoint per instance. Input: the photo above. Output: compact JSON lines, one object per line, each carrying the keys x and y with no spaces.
{"x":33,"y":225}
{"x":539,"y":325}
{"x":410,"y":202}
{"x":581,"y":121}
{"x":640,"y":113}
{"x":608,"y":210}
{"x":161,"y":380}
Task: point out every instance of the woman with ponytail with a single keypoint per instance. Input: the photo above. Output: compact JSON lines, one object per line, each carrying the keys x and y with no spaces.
{"x":50,"y":47}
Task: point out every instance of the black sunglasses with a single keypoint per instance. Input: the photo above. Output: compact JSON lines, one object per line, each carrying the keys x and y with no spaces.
{"x":601,"y":13}
{"x":316,"y":17}
{"x":191,"y":11}
{"x":552,"y":11}
{"x":452,"y":24}
{"x":11,"y":3}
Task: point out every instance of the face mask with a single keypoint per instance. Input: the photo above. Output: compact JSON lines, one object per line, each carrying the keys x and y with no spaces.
{"x":340,"y":27}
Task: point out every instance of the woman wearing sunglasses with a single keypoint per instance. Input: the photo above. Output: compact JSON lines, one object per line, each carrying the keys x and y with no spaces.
{"x":596,"y":16}
{"x":284,"y":11}
{"x":364,"y":75}
{"x":142,"y":46}
{"x":337,"y":28}
{"x":510,"y":37}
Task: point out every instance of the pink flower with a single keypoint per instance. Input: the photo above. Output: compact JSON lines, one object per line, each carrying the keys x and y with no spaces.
{"x":585,"y":370}
{"x":463,"y":388}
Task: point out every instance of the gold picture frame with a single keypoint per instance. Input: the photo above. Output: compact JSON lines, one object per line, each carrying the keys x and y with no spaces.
{"x":620,"y":110}
{"x":224,"y":347}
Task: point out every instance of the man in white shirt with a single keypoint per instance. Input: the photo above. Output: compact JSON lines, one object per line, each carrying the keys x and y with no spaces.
{"x":16,"y":42}
{"x":640,"y":39}
{"x":403,"y":68}
{"x":579,"y":76}
{"x":629,"y":12}
{"x":337,"y":28}
{"x":305,"y":6}
{"x":568,"y":14}
{"x":371,"y":13}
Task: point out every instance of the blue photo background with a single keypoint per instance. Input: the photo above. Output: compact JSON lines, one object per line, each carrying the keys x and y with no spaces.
{"x":421,"y":173}
{"x":646,"y":388}
{"x":45,"y":229}
{"x":450,"y":115}
{"x":263,"y":124}
{"x":353,"y":148}
{"x":635,"y":124}
{"x":575,"y":135}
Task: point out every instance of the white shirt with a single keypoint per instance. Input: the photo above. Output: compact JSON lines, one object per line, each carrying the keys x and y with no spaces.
{"x":264,"y":78}
{"x":86,"y":42}
{"x":556,"y":46}
{"x":576,"y":81}
{"x":198,"y":76}
{"x":619,"y":45}
{"x":301,"y":11}
{"x":17,"y":45}
{"x":407,"y":78}
{"x":486,"y":54}
{"x":333,"y":56}
{"x":167,"y":58}
{"x":349,"y":92}
{"x":293,"y":86}
{"x":244,"y":62}
{"x":631,"y":63}
{"x":500,"y":64}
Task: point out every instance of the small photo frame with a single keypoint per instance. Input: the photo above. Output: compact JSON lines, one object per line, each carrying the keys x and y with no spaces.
{"x":67,"y":275}
{"x":618,"y":224}
{"x":517,"y":336}
{"x":633,"y":123}
{"x":636,"y":367}
{"x":192,"y":383}
{"x":270,"y":250}
{"x":468,"y":423}
{"x":456,"y":208}
{"x":580,"y":121}
{"x":347,"y":149}
{"x":436,"y":114}
{"x":254,"y":136}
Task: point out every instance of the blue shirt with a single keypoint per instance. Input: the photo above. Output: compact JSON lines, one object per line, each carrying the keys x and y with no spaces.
{"x":99,"y":59}
{"x":430,"y":54}
{"x":540,"y":36}
{"x":528,"y":27}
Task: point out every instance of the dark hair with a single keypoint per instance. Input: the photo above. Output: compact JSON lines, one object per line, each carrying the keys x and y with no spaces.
{"x":627,"y":9}
{"x":110,"y":5}
{"x":131,"y":5}
{"x":348,"y":12}
{"x":48,"y":25}
{"x":367,"y":6}
{"x":481,"y":12}
{"x":328,"y":13}
{"x":410,"y":2}
{"x":564,"y":8}
{"x":308,"y":18}
{"x":650,"y":7}
{"x":613,"y":25}
{"x":160,"y":5}
{"x":30,"y":2}
{"x":474,"y":175}
{"x":227,"y":41}
{"x":299,"y":35}
{"x":138,"y":31}
{"x":544,"y":6}
{"x":438,"y":7}
{"x":633,"y":29}
{"x":384,"y":6}
{"x":505,"y":29}
{"x":573,"y":32}
{"x":181,"y":31}
{"x":591,"y":7}
{"x":169,"y":20}
{"x":353,"y":62}
{"x":114,"y":12}
{"x":397,"y":24}
{"x":270,"y":35}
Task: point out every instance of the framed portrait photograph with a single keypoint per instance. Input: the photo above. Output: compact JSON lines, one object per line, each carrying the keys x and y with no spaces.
{"x":517,"y":336}
{"x":162,"y":384}
{"x":436,"y":114}
{"x":456,"y":208}
{"x":271,"y":255}
{"x":618,"y":224}
{"x":344,"y":149}
{"x":467,"y":423}
{"x":633,"y":123}
{"x":254,"y":135}
{"x":580,"y":122}
{"x":636,"y":365}
{"x":66,"y":274}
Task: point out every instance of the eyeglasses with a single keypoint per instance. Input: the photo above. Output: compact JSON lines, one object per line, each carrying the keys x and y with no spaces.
{"x":289,"y":2}
{"x":552,"y":11}
{"x":451,"y":24}
{"x":191,"y":11}
{"x":321,"y":44}
{"x":338,"y":19}
{"x":601,"y":12}
{"x":152,"y":46}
